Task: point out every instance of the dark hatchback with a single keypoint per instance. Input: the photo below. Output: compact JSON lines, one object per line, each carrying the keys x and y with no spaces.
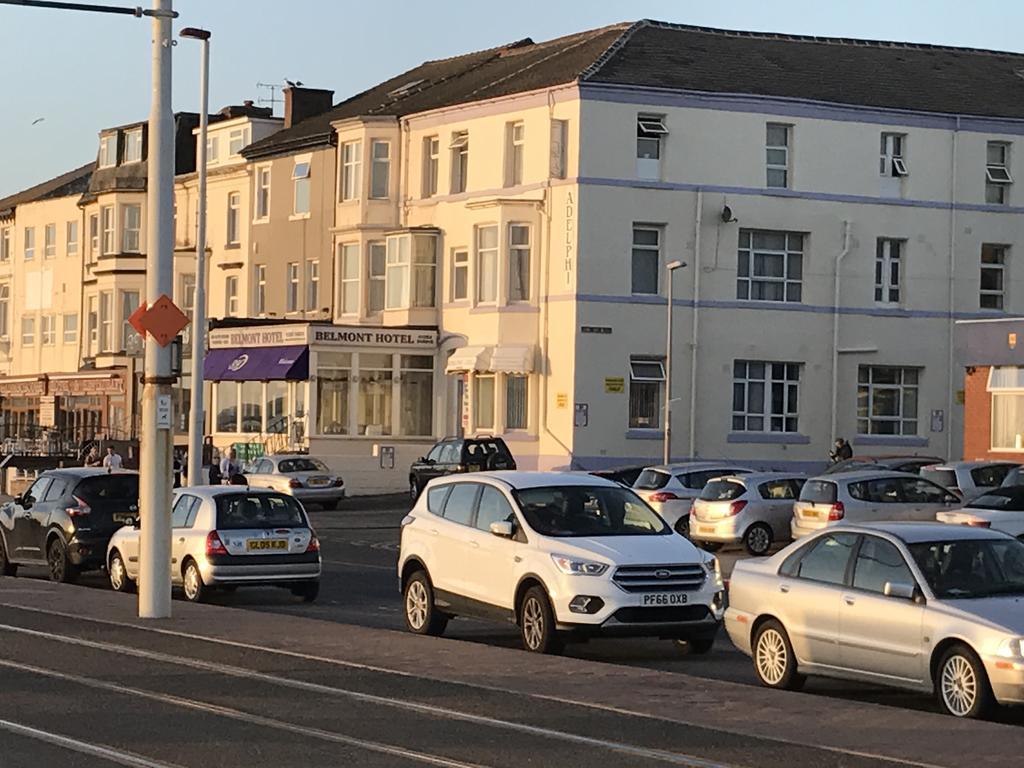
{"x":65,"y":520}
{"x":459,"y":454}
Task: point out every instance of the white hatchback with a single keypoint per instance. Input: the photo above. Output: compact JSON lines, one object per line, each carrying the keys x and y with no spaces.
{"x":557,"y":553}
{"x":670,"y":489}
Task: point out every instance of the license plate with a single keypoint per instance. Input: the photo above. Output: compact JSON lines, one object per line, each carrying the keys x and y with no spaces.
{"x":255,"y":545}
{"x":810,"y":514}
{"x":123,"y":517}
{"x":706,"y":528}
{"x":317,"y":482}
{"x":664,"y":598}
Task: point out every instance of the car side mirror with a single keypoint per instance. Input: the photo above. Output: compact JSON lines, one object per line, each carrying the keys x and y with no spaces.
{"x":503,"y":529}
{"x":900,"y":590}
{"x":26,"y":501}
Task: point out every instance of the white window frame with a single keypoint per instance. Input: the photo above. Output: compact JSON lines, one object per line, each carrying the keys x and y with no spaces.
{"x":301,"y":172}
{"x":431,"y":165}
{"x":238,"y":138}
{"x":520,"y":290}
{"x":29,"y":244}
{"x":1005,"y":383}
{"x":212,"y":149}
{"x":132,"y":146}
{"x":5,"y":311}
{"x":755,"y":386}
{"x":130,"y":301}
{"x":313,"y":285}
{"x":260,"y":283}
{"x":292,"y":296}
{"x":867,"y":389}
{"x":28,"y":330}
{"x":748,"y":282}
{"x":69,"y":328}
{"x":482,"y":254}
{"x":94,"y":235}
{"x":5,"y":244}
{"x":106,"y":321}
{"x":398,"y":271}
{"x":460,"y":264}
{"x":512,"y":409}
{"x":71,"y":238}
{"x":234,"y":218}
{"x":477,"y":403}
{"x":558,"y":163}
{"x":638,"y":375}
{"x":380,"y":169}
{"x":261,"y":203}
{"x":108,"y":151}
{"x":998,"y":178}
{"x":376,"y":279}
{"x":890,"y":264}
{"x":645,"y":250}
{"x":997,"y":297}
{"x":351,"y":170}
{"x":231,"y":296}
{"x":50,"y":241}
{"x":772,"y":150}
{"x":108,"y":229}
{"x":650,"y":135}
{"x":131,"y":237}
{"x":349,"y":284}
{"x":892,"y":161}
{"x":48,"y":330}
{"x":459,"y":148}
{"x":515,"y":148}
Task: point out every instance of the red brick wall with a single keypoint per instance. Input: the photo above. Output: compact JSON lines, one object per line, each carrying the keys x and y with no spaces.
{"x":978,"y":419}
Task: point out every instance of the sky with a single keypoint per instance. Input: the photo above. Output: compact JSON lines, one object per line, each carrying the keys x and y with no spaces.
{"x":67,"y":75}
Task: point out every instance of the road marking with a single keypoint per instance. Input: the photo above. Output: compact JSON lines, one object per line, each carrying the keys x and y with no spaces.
{"x":422,"y":709}
{"x":118,"y":756}
{"x":235,"y":714}
{"x":477,"y":686}
{"x":347,"y":564}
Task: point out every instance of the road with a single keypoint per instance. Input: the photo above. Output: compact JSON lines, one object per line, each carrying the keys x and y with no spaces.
{"x":260,"y":679}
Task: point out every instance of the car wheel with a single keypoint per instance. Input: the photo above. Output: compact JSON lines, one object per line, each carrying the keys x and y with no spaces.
{"x":961,"y":684}
{"x":414,"y":490}
{"x":308,"y":591}
{"x":119,"y":580}
{"x":192,"y":583}
{"x":758,"y":539}
{"x":774,"y":660}
{"x":537,"y":623}
{"x":61,"y":569}
{"x":695,"y":646}
{"x":421,"y":616}
{"x":7,"y":568}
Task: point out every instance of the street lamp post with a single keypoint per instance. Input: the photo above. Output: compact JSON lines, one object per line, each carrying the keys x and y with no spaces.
{"x":196,"y":421}
{"x":670,"y":268}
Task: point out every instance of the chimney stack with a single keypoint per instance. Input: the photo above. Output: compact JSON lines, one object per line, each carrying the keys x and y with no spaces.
{"x":300,"y":103}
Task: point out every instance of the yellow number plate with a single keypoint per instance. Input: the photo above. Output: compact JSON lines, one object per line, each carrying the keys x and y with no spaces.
{"x":707,"y":529}
{"x":258,"y":544}
{"x":810,"y":514}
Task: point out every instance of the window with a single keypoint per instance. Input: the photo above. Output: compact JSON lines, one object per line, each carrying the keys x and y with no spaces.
{"x":260,"y":279}
{"x":377,"y":270}
{"x":431,"y":153}
{"x":888,"y":258}
{"x":436,"y":496}
{"x":132,"y":225}
{"x":487,"y":264}
{"x":71,"y":328}
{"x":397,"y":272}
{"x":516,"y":401}
{"x":107,"y":219}
{"x":181,"y":509}
{"x":460,"y":274}
{"x":993,"y":274}
{"x":891,"y":162}
{"x":1006,"y":385}
{"x":459,"y":506}
{"x":483,"y":412}
{"x":990,"y":476}
{"x":133,"y":145}
{"x":237,"y":139}
{"x":764,"y":396}
{"x":769,"y":266}
{"x":48,"y":329}
{"x":300,"y":179}
{"x":5,"y":244}
{"x":380,"y":169}
{"x":49,"y":241}
{"x":263,"y":193}
{"x":231,"y":296}
{"x":493,"y":507}
{"x":227,"y":406}
{"x":827,"y":559}
{"x":558,"y":163}
{"x":879,"y":562}
{"x":93,"y":318}
{"x":72,"y":238}
{"x":417,"y":401}
{"x":5,"y":310}
{"x":292,"y":303}
{"x":252,"y":407}
{"x":777,"y":140}
{"x":514,"y":146}
{"x":30,"y":243}
{"x":460,"y":161}
{"x":997,"y":173}
{"x":649,"y":132}
{"x":276,"y":401}
{"x":234,"y":201}
{"x":108,"y":150}
{"x":129,"y":303}
{"x":887,"y":400}
{"x":375,"y":394}
{"x":351,"y":165}
{"x":188,"y":293}
{"x":645,"y":380}
{"x":519,"y":262}
{"x":333,"y":382}
{"x":28,"y":330}
{"x":646,"y":259}
{"x":313,"y":285}
{"x":212,"y":147}
{"x":94,"y":234}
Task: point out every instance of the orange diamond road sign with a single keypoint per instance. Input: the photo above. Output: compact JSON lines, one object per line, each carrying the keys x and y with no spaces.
{"x":163,"y":321}
{"x":135,"y":319}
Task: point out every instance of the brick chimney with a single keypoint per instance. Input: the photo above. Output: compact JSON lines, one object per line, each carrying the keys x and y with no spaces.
{"x":300,"y":103}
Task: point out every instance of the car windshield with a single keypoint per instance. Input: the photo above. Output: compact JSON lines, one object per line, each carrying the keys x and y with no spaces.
{"x":971,"y":568}
{"x":651,"y":480}
{"x":1010,"y":500}
{"x":302,"y":465}
{"x":258,"y":510}
{"x":109,"y":488}
{"x":722,"y":490}
{"x":576,"y":510}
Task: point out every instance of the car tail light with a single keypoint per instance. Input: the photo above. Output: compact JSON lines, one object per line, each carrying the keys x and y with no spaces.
{"x":80,"y":508}
{"x":974,"y":522}
{"x":314,"y":544}
{"x":837,"y":511}
{"x":294,"y":483}
{"x":736,"y":507}
{"x":338,"y":483}
{"x":662,"y":496}
{"x":214,"y":546}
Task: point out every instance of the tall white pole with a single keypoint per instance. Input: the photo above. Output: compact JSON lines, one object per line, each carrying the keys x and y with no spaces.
{"x":155,"y":465}
{"x":667,"y":450}
{"x":196,"y":422}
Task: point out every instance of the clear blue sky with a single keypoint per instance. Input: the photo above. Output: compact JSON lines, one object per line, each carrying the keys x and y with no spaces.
{"x":82,"y":72}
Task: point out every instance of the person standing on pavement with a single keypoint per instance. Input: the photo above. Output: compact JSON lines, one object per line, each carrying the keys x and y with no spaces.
{"x":113,"y":459}
{"x":840,"y":452}
{"x":93,"y":459}
{"x":229,"y":467}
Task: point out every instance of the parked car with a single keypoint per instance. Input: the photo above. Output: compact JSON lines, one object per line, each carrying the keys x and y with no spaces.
{"x":65,"y":519}
{"x":228,"y":536}
{"x":911,"y":464}
{"x":755,"y":509}
{"x":928,"y":607}
{"x":867,"y":496}
{"x":306,"y":478}
{"x":626,"y":475}
{"x":1001,"y":509}
{"x":560,"y":554}
{"x":1013,"y":478}
{"x":969,"y":478}
{"x":459,"y":454}
{"x":671,"y":489}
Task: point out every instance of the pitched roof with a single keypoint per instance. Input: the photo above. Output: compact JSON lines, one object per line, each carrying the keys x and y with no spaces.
{"x":909,"y":76}
{"x":71,"y":183}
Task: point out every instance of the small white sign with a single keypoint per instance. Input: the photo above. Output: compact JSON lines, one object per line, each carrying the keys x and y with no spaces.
{"x":163,"y":411}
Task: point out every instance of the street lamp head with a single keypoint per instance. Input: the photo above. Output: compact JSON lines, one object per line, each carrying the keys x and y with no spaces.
{"x":195,"y":33}
{"x":673,"y":265}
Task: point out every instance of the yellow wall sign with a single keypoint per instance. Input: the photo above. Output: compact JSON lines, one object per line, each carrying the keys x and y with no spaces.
{"x":614,"y":384}
{"x":562,"y":400}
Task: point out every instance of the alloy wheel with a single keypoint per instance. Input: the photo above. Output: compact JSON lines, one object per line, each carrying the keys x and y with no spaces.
{"x":771,"y":656}
{"x":959,"y":685}
{"x":56,"y":561}
{"x":191,"y":584}
{"x":416,"y":605}
{"x":117,"y":573}
{"x":758,"y":540}
{"x":533,"y":623}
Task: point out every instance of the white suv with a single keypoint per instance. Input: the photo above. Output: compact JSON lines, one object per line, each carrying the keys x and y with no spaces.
{"x":559,"y":554}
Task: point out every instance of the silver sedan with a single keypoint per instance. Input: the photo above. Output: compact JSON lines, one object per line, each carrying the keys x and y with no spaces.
{"x":306,"y":478}
{"x":924,"y":606}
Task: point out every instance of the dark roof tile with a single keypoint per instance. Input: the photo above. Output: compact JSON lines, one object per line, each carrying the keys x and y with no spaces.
{"x":71,"y":183}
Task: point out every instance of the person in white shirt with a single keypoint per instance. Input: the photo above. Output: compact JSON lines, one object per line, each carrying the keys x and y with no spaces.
{"x":113,"y":459}
{"x":229,"y":467}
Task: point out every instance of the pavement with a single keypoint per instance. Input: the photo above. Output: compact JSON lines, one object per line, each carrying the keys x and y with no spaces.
{"x":258,"y":678}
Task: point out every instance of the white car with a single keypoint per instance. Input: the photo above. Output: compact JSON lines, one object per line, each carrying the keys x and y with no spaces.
{"x":969,"y":479}
{"x":557,"y":553}
{"x":1001,"y":509}
{"x":670,"y":489}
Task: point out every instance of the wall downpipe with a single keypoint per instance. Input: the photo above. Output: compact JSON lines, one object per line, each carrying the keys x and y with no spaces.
{"x":697,"y":268}
{"x":837,"y":295}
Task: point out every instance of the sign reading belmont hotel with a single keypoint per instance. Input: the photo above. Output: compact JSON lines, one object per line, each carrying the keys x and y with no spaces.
{"x":352,"y":336}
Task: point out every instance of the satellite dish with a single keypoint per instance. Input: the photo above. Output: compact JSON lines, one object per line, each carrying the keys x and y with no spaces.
{"x":727,"y":216}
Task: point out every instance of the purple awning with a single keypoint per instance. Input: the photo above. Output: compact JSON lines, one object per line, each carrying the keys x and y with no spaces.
{"x":257,"y":364}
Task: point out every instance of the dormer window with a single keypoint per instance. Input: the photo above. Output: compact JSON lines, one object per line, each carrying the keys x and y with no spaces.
{"x":133,"y":145}
{"x":237,"y":139}
{"x":108,"y":150}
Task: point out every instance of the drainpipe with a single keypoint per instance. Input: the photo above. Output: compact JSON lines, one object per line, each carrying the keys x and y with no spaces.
{"x":403,"y":190}
{"x":952,"y":289}
{"x":697,"y":268}
{"x":835,"y":328}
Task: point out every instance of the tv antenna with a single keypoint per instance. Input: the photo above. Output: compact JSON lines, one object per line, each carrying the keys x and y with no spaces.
{"x":273,"y":99}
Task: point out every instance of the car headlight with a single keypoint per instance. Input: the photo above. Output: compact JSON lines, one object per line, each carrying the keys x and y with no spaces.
{"x":575,"y":567}
{"x":714,"y":569}
{"x":1012,"y":648}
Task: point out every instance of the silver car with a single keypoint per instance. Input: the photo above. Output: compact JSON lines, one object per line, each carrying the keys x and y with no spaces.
{"x":969,"y":479}
{"x":923,"y":606}
{"x":670,"y":489}
{"x":754,"y":509}
{"x":1001,"y":509}
{"x":306,"y":478}
{"x":228,"y":536}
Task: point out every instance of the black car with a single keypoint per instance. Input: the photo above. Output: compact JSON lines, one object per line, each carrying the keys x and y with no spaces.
{"x":65,"y":519}
{"x":459,"y":454}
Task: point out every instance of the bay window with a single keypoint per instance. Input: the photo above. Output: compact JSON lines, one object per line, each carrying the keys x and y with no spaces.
{"x":519,"y":262}
{"x":377,"y":272}
{"x":410,"y":270}
{"x":487,"y":264}
{"x":380,"y":170}
{"x":374,"y":394}
{"x":132,"y":228}
{"x":397,"y":272}
{"x":349,"y":271}
{"x":334,"y":376}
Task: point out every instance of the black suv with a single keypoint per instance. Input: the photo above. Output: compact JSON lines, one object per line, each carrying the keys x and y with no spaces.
{"x":459,"y":454}
{"x":65,"y":520}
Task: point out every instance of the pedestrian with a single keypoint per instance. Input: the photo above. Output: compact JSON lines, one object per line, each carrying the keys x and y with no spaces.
{"x":840,"y":452}
{"x":214,"y":478}
{"x":93,"y":459}
{"x":176,"y":469}
{"x":229,"y":467}
{"x":113,"y":459}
